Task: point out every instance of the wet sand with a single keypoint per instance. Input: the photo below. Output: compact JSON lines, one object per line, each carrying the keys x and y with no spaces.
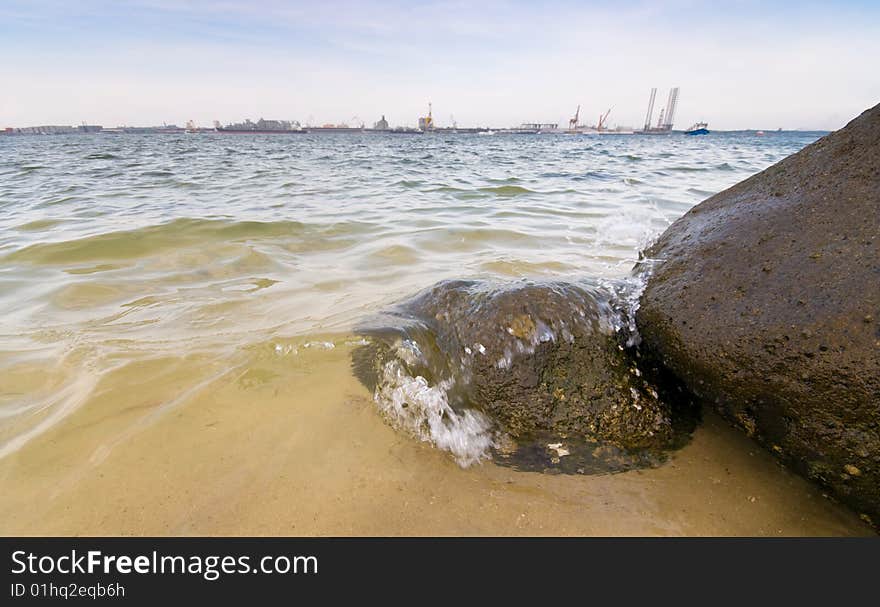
{"x":293,"y":445}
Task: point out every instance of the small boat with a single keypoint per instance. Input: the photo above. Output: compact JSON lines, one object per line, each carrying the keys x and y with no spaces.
{"x":699,"y":128}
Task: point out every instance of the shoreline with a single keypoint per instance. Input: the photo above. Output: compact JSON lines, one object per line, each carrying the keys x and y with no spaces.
{"x":295,"y":446}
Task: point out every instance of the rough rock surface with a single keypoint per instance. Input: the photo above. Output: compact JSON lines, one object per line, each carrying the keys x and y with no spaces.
{"x":765,"y":300}
{"x":539,"y":359}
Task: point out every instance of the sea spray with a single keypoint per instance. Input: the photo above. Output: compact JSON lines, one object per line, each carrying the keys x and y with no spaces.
{"x":411,"y":404}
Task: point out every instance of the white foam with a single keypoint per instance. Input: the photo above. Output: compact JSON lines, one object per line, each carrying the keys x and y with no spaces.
{"x":413,"y":405}
{"x":321,"y":345}
{"x":621,"y":311}
{"x":634,"y":228}
{"x":284,"y":350}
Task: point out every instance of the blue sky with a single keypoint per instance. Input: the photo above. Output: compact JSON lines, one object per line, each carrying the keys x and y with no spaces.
{"x":740,"y":64}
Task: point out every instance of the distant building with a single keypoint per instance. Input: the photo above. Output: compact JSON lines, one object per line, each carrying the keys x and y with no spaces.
{"x":382,"y":124}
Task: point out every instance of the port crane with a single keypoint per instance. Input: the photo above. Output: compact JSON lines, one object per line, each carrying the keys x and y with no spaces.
{"x":602,"y":118}
{"x":573,"y":122}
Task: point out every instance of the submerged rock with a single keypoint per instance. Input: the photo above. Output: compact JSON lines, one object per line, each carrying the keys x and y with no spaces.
{"x":539,"y":367}
{"x":765,"y":301}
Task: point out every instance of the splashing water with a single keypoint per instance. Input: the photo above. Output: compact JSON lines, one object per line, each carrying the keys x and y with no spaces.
{"x":482,"y":368}
{"x":411,"y":404}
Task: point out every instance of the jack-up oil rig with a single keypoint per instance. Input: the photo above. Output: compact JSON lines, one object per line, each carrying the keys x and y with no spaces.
{"x":667,"y":114}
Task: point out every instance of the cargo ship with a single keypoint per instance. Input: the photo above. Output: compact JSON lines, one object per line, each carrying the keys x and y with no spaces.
{"x":398,"y":130}
{"x":341,"y":127}
{"x":261,"y":127}
{"x":336,"y":129}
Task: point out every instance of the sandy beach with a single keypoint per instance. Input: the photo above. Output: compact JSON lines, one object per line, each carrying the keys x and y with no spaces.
{"x":293,"y":445}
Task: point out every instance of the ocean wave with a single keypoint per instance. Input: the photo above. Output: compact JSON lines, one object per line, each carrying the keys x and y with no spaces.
{"x":128,"y":244}
{"x":508,"y":190}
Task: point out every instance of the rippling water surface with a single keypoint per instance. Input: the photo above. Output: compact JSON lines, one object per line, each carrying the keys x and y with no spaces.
{"x":216,"y":251}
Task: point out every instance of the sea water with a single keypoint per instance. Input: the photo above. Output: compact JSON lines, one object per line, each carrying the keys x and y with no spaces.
{"x":141,"y":274}
{"x":121,"y":246}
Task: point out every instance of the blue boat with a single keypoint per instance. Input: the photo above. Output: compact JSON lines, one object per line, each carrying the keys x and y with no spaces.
{"x":698,"y":129}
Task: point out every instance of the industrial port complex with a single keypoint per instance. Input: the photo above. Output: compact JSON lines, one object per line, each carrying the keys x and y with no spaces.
{"x":425,"y":124}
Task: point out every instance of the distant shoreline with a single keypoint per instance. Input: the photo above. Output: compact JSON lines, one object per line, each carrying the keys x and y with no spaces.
{"x":57,"y":130}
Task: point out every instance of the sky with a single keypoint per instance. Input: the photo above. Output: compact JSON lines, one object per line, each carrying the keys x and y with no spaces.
{"x":739,"y":63}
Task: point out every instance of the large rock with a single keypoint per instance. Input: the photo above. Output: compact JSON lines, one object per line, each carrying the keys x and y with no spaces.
{"x":544,"y":361}
{"x":765,"y":300}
